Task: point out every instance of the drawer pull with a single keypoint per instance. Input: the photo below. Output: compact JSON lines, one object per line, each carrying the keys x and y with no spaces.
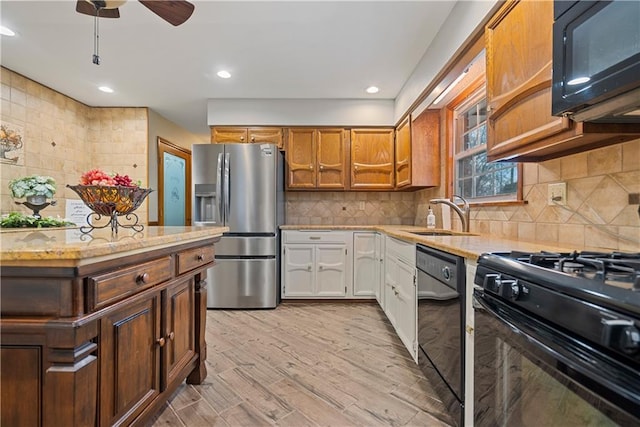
{"x":142,"y":278}
{"x":161,"y":341}
{"x":172,"y":335}
{"x":200,"y":257}
{"x":314,"y":238}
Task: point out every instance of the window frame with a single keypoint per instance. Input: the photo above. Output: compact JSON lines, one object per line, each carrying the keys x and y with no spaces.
{"x":449,"y":135}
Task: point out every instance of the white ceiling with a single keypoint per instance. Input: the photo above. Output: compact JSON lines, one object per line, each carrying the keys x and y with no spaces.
{"x":289,"y":49}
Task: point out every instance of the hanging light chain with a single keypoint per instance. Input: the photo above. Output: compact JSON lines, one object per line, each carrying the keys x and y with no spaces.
{"x":96,"y":38}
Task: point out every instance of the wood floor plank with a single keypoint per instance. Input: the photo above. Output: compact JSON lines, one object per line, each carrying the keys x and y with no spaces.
{"x":201,"y":414}
{"x":270,"y":405}
{"x":305,"y":364}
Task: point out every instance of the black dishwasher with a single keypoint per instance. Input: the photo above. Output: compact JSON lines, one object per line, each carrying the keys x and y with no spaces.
{"x":441,"y":320}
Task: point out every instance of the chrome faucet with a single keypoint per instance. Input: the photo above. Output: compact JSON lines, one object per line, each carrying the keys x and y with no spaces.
{"x":463,"y":212}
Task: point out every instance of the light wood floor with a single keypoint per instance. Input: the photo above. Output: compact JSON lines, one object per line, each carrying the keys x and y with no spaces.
{"x":305,"y":364}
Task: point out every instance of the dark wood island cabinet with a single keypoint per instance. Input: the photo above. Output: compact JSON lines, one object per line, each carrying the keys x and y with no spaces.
{"x":99,"y":330}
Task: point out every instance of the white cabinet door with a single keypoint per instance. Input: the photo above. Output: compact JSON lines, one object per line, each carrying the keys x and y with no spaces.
{"x":331,"y":262}
{"x":299,"y":270}
{"x":406,"y":307}
{"x":390,"y":274}
{"x":379,"y":285}
{"x":365,"y":265}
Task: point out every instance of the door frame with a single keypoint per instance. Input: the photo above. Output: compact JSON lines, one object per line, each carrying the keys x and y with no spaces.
{"x":165,"y":146}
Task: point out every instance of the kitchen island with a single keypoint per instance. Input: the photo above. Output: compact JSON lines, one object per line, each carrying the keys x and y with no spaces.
{"x":99,"y":329}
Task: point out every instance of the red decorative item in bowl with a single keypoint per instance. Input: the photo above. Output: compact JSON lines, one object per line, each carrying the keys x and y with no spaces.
{"x":113,"y":201}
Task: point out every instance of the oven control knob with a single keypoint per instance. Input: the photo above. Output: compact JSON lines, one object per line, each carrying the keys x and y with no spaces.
{"x":622,"y":335}
{"x":630,"y":340}
{"x":515,"y":290}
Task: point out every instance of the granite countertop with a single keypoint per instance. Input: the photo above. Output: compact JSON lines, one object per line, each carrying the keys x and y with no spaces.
{"x":69,"y":247}
{"x":468,"y":245}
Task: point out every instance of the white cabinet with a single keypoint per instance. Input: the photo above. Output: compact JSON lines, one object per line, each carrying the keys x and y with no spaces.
{"x":366,"y":264}
{"x":315,"y":264}
{"x":471,"y":267}
{"x":400,"y":299}
{"x":379,"y":282}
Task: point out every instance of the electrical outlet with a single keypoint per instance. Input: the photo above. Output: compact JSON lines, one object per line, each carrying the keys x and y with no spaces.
{"x":557,"y":194}
{"x":361,"y":206}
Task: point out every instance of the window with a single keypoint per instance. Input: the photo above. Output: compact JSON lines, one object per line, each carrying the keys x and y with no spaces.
{"x":475,"y":178}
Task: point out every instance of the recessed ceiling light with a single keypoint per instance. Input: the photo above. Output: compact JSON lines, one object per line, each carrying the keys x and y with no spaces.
{"x":7,"y":31}
{"x":105,"y":89}
{"x":372,"y":89}
{"x":224,"y":74}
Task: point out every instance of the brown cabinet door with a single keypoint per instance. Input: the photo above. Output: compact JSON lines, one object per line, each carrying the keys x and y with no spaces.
{"x":425,"y":149}
{"x":129,"y":360}
{"x":331,"y":158}
{"x":266,"y":135}
{"x":403,"y":154}
{"x":518,"y":59}
{"x":228,"y":134}
{"x":179,"y":331}
{"x":301,"y":159}
{"x":372,"y":159}
{"x":21,"y":385}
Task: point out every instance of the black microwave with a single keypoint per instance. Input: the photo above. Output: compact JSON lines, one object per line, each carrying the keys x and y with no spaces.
{"x":596,"y":60}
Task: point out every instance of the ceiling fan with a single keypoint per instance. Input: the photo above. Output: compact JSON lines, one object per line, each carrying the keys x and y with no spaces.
{"x":175,"y":12}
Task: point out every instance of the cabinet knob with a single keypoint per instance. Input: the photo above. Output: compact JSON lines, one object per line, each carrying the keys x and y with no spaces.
{"x":320,"y":267}
{"x":310,"y":167}
{"x":161,"y":341}
{"x":355,"y":167}
{"x":308,"y":268}
{"x":321,"y":167}
{"x":200,"y":257}
{"x":253,"y":138}
{"x":172,"y":335}
{"x":142,"y":278}
{"x":242,"y":138}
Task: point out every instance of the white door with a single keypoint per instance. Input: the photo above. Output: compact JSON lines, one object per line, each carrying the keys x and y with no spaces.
{"x":299,"y":271}
{"x":331,"y":268}
{"x":406,"y":301}
{"x":365,"y":264}
{"x":390,"y":274}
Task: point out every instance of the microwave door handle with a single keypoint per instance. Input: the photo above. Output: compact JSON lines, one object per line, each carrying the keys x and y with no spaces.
{"x":227,"y":187}
{"x":219,"y":189}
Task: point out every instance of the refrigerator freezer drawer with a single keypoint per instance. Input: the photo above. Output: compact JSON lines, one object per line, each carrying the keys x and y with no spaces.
{"x":253,"y":246}
{"x":243,"y":283}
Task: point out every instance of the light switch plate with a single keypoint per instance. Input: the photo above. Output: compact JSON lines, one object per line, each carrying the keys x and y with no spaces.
{"x":557,"y":194}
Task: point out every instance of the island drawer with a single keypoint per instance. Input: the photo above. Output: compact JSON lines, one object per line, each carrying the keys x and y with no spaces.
{"x":116,"y":285}
{"x":194,"y":258}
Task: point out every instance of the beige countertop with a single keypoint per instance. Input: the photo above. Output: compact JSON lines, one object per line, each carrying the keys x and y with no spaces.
{"x":68,"y":246}
{"x":468,"y":245}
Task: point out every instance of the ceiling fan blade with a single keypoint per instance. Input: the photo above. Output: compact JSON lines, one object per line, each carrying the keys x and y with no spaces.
{"x":174,"y":12}
{"x":87,"y":8}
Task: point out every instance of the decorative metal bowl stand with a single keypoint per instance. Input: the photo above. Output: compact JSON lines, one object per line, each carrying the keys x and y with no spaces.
{"x":112,"y":202}
{"x":36,"y":208}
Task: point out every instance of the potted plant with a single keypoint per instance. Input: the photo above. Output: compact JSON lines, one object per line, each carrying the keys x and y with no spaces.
{"x":35,"y":188}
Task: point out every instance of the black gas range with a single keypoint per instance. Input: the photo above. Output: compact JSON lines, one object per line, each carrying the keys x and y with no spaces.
{"x":577,"y":314}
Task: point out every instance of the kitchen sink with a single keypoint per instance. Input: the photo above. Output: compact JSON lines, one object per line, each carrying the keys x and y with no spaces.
{"x":433,"y":233}
{"x":439,"y":233}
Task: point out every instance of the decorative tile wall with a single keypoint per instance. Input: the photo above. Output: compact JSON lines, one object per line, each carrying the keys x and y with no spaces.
{"x":63,"y":138}
{"x":349,"y":208}
{"x":597,"y":215}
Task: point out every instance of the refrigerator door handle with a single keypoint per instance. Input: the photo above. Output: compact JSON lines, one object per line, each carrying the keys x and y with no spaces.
{"x":227,"y":186}
{"x":219,"y":189}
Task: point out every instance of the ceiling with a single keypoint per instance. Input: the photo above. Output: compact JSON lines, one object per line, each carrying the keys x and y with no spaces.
{"x":288,"y":49}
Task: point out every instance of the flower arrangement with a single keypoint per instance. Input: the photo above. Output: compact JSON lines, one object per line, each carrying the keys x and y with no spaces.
{"x":34,"y":185}
{"x":112,"y":196}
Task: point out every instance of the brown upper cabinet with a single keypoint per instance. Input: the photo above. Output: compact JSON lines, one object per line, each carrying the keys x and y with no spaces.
{"x":316,"y":158}
{"x":372,"y":159}
{"x":269,"y":135}
{"x":418,"y":151}
{"x":519,"y":65}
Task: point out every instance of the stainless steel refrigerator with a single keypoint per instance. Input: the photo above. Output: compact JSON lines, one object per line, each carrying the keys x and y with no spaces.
{"x":241,"y":186}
